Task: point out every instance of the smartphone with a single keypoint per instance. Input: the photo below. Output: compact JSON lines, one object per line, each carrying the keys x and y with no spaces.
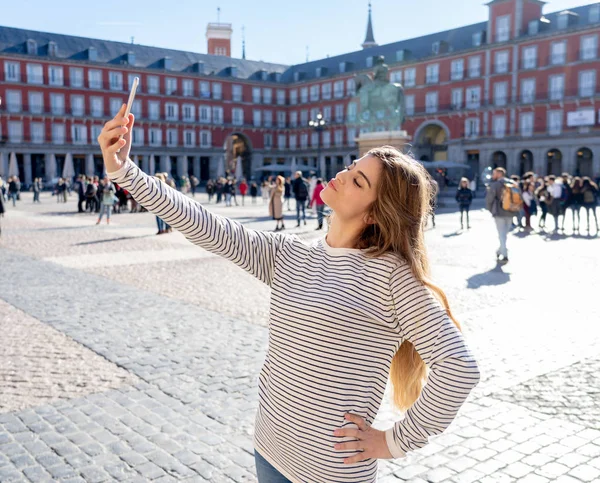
{"x":134,"y":86}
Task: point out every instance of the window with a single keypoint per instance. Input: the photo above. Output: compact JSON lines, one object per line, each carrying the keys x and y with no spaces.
{"x":339,"y":113}
{"x":137,"y":136}
{"x":338,"y":89}
{"x":526,"y":124}
{"x":293,"y":141}
{"x":293,"y":119}
{"x":326,"y":139}
{"x":37,"y":132}
{"x":237,"y":116}
{"x":503,"y":28}
{"x":294,"y":97}
{"x":13,"y":101}
{"x":457,"y":69}
{"x":499,"y":126}
{"x":153,"y":84}
{"x":474,"y":66}
{"x":528,"y":91}
{"x":155,"y":137}
{"x":326,"y":113}
{"x":555,"y":123}
{"x":500,"y":93}
{"x":351,"y":136}
{"x":396,"y":77}
{"x":280,"y":97}
{"x":57,"y":104}
{"x":501,"y":63}
{"x":188,"y":112}
{"x":268,"y":118}
{"x":12,"y":71}
{"x":594,"y":13}
{"x":338,"y":137}
{"x":256,"y":118}
{"x":115,"y":105}
{"x":473,"y":97}
{"x":217,"y":113}
{"x":589,"y":47}
{"x":77,"y":105}
{"x":204,"y":114}
{"x":281,"y":119}
{"x":188,"y":87}
{"x":153,"y":110}
{"x":410,"y":77}
{"x":352,"y":111}
{"x":36,"y":102}
{"x":457,"y":95}
{"x":217,"y":90}
{"x":314,"y":139}
{"x":115,"y":81}
{"x":304,"y":95}
{"x":136,"y":108}
{"x":431,"y":102}
{"x":533,"y":27}
{"x":268,"y":141}
{"x":477,"y":39}
{"x":97,"y":106}
{"x":314,"y":93}
{"x":95,"y":79}
{"x":557,"y":87}
{"x":281,"y":141}
{"x":370,"y":61}
{"x":562,"y":21}
{"x":55,"y":75}
{"x":171,"y":137}
{"x":267,"y":95}
{"x":433,"y":74}
{"x":304,"y":117}
{"x":471,"y":128}
{"x":131,"y":78}
{"x":326,"y":91}
{"x":35,"y":74}
{"x":171,"y":111}
{"x":530,"y":57}
{"x":350,"y":87}
{"x":170,"y":87}
{"x":204,"y":89}
{"x":78,"y":134}
{"x":236,"y":93}
{"x":304,"y":141}
{"x":587,"y":83}
{"x":15,"y":131}
{"x":256,"y":95}
{"x":58,"y":133}
{"x":409,"y":104}
{"x":76,"y":77}
{"x":558,"y":54}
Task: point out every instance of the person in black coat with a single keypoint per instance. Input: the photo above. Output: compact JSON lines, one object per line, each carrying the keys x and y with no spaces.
{"x":80,"y":187}
{"x":464,"y":198}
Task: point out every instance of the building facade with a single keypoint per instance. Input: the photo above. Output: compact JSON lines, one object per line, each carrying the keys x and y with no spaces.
{"x":517,"y":91}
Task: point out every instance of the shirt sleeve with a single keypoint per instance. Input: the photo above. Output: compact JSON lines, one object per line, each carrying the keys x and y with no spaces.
{"x":254,"y":251}
{"x":453,"y":371}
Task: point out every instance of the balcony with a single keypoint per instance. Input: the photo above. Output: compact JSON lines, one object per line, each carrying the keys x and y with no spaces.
{"x":557,"y":59}
{"x":528,"y":64}
{"x":588,"y":54}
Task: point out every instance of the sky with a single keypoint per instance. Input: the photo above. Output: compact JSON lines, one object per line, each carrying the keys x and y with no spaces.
{"x":277,"y":31}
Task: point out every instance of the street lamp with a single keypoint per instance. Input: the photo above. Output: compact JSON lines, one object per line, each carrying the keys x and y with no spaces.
{"x":318,"y":124}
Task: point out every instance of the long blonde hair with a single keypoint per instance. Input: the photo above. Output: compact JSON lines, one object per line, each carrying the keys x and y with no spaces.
{"x":400,"y":214}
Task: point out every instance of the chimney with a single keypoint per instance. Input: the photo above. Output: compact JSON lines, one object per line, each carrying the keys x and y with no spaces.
{"x":218,"y":36}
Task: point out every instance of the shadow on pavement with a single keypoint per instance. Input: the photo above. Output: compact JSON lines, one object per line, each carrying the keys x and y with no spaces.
{"x":495,"y":276}
{"x":94,"y":242}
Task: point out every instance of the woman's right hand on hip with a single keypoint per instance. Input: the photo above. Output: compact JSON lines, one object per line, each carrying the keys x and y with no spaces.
{"x":115,"y":151}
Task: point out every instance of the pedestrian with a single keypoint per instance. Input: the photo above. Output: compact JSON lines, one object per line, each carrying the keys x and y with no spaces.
{"x":37,"y":188}
{"x":90,"y":195}
{"x":3,"y":189}
{"x":544,"y":199}
{"x":13,"y":189}
{"x":228,"y":192}
{"x":163,"y":227}
{"x":521,"y":214}
{"x":287,"y":194}
{"x":433,"y":201}
{"x":219,"y":189}
{"x":265,"y":191}
{"x":503,"y":200}
{"x":565,"y":197}
{"x":589,"y":190}
{"x":348,"y":312}
{"x":300,"y":188}
{"x":107,"y":192}
{"x":555,"y":191}
{"x":2,"y":206}
{"x":80,"y":188}
{"x":98,"y":195}
{"x":276,"y":203}
{"x":576,"y":202}
{"x":232,"y":191}
{"x":194,"y":184}
{"x":243,"y":190}
{"x":210,"y":189}
{"x":316,"y":199}
{"x":529,"y":203}
{"x":61,"y":189}
{"x":253,"y":191}
{"x":464,"y":198}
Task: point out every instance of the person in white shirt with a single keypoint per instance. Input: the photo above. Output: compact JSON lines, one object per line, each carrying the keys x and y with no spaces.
{"x":555,"y":191}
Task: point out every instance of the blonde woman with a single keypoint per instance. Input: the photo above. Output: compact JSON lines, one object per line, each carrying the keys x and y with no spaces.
{"x":276,"y":202}
{"x":347,"y":311}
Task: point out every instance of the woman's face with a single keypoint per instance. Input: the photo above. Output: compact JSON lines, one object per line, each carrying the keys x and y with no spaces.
{"x":352,"y":191}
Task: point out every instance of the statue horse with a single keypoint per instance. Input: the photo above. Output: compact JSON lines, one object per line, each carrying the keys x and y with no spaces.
{"x":380,"y":101}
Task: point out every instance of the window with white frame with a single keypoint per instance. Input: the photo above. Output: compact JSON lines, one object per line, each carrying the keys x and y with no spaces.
{"x":501,"y":62}
{"x":326,"y":90}
{"x":57,"y":104}
{"x":15,"y":132}
{"x":473,"y":97}
{"x":338,"y":137}
{"x":528,"y":91}
{"x":204,"y":88}
{"x":281,"y":141}
{"x":217,"y":90}
{"x":499,"y":126}
{"x":256,"y":93}
{"x":293,"y":141}
{"x":457,"y":99}
{"x":556,"y":85}
{"x":35,"y":74}
{"x":153,"y":110}
{"x":267,"y":95}
{"x":471,"y":128}
{"x":314,"y":139}
{"x":338,"y":89}
{"x":95,"y":79}
{"x":136,"y":108}
{"x":268,"y":140}
{"x":76,"y":77}
{"x":304,"y":140}
{"x":562,"y":21}
{"x":217,"y":115}
{"x":137,"y":136}
{"x":294,"y":97}
{"x":352,"y":111}
{"x":526,"y":124}
{"x":396,"y":77}
{"x":594,"y":13}
{"x":304,"y":117}
{"x":533,"y":27}
{"x":500,"y":93}
{"x":351,"y":136}
{"x":256,"y":118}
{"x":339,"y":113}
{"x":303,"y":95}
{"x":153,"y":84}
{"x":237,"y":116}
{"x":36,"y":102}
{"x":281,"y":119}
{"x":12,"y":71}
{"x":475,"y":66}
{"x":370,"y":61}
{"x":14,"y":101}
{"x":530,"y":57}
{"x":155,"y":136}
{"x":55,"y":75}
{"x":236,"y":93}
{"x":431,"y":102}
{"x":188,"y":112}
{"x":189,"y":138}
{"x":114,"y":105}
{"x":187,"y":86}
{"x":77,"y":105}
{"x":281,"y":97}
{"x":268,"y":118}
{"x":457,"y":69}
{"x":293,"y":119}
{"x":409,"y":102}
{"x":79,"y":134}
{"x":410,"y":77}
{"x":115,"y":81}
{"x":172,"y":137}
{"x":555,"y":119}
{"x":503,"y":28}
{"x":350,"y":87}
{"x":170,"y":86}
{"x":171,"y":111}
{"x":432,"y":74}
{"x":589,"y":47}
{"x":314,"y":93}
{"x":326,"y":113}
{"x":587,"y":83}
{"x":58,"y":133}
{"x":558,"y":55}
{"x":37,"y":132}
{"x":204,"y":114}
{"x":326,"y":139}
{"x":477,"y":39}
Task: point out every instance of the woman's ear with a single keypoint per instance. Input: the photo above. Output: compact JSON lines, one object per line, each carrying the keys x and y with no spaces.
{"x":369,"y":220}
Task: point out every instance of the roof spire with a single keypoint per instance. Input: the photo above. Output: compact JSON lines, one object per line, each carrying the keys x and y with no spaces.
{"x":369,"y":38}
{"x":243,"y":42}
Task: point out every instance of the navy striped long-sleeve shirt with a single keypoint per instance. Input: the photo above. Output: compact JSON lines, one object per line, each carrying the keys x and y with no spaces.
{"x":337,"y":317}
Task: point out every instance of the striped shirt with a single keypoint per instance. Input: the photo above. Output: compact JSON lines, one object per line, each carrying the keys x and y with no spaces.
{"x":337,"y":317}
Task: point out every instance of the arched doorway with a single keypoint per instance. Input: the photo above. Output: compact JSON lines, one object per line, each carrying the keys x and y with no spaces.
{"x":238,"y":145}
{"x":499,"y":160}
{"x":554,"y":162}
{"x":584,"y":162}
{"x":432,"y":142}
{"x":525,"y":162}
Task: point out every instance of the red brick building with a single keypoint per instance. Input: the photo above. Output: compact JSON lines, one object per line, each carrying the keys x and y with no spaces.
{"x":518,"y":91}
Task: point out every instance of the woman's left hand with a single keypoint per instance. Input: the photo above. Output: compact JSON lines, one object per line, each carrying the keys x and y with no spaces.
{"x":371,"y":441}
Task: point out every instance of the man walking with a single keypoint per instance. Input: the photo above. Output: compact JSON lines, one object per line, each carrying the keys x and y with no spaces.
{"x":300,"y":189}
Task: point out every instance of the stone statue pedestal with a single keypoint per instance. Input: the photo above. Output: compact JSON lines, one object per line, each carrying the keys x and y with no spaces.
{"x":370,"y":140}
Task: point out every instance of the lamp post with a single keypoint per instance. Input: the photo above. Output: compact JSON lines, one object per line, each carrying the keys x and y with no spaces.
{"x":318,"y":124}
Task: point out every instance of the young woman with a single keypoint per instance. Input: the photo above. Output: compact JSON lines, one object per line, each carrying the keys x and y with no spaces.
{"x":544,"y":199}
{"x":529,"y":203}
{"x":276,"y":202}
{"x":347,"y":311}
{"x":576,"y":202}
{"x":589,"y":191}
{"x":464,"y":197}
{"x":107,"y":190}
{"x":316,"y":199}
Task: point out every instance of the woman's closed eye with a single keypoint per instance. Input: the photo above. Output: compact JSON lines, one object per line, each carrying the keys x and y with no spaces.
{"x":349,"y":168}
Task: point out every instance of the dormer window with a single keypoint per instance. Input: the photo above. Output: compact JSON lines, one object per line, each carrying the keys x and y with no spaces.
{"x":233,"y":71}
{"x":533,"y":27}
{"x":130,"y":58}
{"x":342,"y":67}
{"x":52,"y":49}
{"x":321,"y":71}
{"x":563,"y":21}
{"x":370,"y":61}
{"x":263,"y":75}
{"x":296,"y":76}
{"x":32,"y":47}
{"x":594,"y":15}
{"x":477,"y":39}
{"x":168,"y":63}
{"x":92,"y":54}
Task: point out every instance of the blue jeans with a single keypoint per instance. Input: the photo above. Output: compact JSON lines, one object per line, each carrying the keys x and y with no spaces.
{"x":266,"y":473}
{"x":320,"y":214}
{"x":13,"y":196}
{"x":503,"y":224}
{"x":105,"y":209}
{"x":300,"y":205}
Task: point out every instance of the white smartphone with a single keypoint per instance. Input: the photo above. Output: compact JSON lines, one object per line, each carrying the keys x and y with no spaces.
{"x":134,"y":86}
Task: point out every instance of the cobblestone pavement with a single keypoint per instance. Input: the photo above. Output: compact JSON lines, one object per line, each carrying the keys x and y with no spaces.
{"x":133,"y":357}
